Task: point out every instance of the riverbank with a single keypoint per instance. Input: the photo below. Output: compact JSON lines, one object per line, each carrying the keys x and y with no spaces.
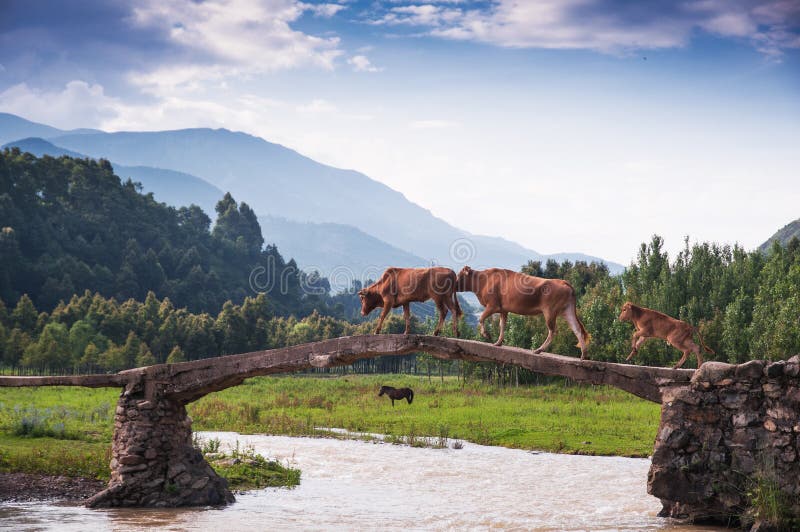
{"x":22,"y":487}
{"x":67,"y":431}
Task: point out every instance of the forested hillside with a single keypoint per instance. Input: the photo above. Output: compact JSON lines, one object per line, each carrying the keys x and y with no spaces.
{"x":69,"y":225}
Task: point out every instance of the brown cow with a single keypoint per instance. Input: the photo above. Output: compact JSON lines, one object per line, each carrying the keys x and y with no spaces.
{"x":402,"y":286}
{"x":507,"y":291}
{"x":653,"y":324}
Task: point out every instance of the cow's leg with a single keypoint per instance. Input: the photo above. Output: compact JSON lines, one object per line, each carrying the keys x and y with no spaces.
{"x":450,"y":305}
{"x":636,"y":345}
{"x":692,"y":347}
{"x":682,"y":342}
{"x":442,"y":313}
{"x":385,"y":312}
{"x":636,"y":341}
{"x":488,"y":311}
{"x":699,"y":354}
{"x":503,"y":316}
{"x":550,"y":321}
{"x":407,"y":316}
{"x":682,"y":360}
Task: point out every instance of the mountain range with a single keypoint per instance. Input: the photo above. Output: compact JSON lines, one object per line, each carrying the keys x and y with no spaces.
{"x":328,"y":218}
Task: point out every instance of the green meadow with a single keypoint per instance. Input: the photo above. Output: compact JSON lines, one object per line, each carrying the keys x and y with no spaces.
{"x":560,"y":417}
{"x":61,"y":430}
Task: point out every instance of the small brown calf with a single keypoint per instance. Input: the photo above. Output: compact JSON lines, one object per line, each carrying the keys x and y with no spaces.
{"x":653,"y":324}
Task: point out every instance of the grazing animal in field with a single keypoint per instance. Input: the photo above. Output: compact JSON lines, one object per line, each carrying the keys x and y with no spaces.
{"x":653,"y":324}
{"x":503,"y":291}
{"x":397,"y":393}
{"x":402,"y":286}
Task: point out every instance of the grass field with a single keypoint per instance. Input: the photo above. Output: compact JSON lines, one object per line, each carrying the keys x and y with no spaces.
{"x":555,"y":417}
{"x":59,"y":430}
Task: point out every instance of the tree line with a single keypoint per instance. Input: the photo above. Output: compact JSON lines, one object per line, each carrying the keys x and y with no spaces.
{"x":745,"y":304}
{"x":93,"y":333}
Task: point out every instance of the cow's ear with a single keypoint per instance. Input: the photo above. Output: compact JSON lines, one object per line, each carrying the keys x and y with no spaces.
{"x":362,"y":293}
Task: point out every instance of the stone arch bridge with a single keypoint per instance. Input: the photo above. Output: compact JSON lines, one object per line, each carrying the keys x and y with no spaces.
{"x":719,"y":425}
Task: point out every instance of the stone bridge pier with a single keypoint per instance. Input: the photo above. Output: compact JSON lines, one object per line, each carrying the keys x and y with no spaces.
{"x":153,"y":461}
{"x":733,"y":429}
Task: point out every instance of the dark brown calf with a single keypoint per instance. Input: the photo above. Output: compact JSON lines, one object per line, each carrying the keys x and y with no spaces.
{"x":653,"y":324}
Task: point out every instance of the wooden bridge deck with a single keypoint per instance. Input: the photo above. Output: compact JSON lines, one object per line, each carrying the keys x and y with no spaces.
{"x":188,"y":381}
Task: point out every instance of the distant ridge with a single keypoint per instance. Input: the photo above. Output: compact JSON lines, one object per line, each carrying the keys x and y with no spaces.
{"x":783,"y":235}
{"x":168,"y":186}
{"x":13,"y":127}
{"x":279,"y":182}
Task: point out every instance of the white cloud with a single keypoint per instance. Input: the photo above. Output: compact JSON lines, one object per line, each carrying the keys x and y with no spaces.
{"x":77,"y":103}
{"x":770,"y":25}
{"x":317,"y":106}
{"x":361,"y":63}
{"x":323,"y":10}
{"x":420,"y":15}
{"x":225,"y":38}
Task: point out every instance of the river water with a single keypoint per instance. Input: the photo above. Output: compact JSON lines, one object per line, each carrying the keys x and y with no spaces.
{"x":356,"y":485}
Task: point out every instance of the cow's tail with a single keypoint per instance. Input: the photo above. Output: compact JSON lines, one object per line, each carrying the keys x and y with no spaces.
{"x":573,"y":310}
{"x":410,"y":396}
{"x":457,"y":306}
{"x":587,"y":338}
{"x":702,"y":342}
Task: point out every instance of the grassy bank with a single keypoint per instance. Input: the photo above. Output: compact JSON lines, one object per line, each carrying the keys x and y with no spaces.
{"x":555,"y":417}
{"x":68,"y":430}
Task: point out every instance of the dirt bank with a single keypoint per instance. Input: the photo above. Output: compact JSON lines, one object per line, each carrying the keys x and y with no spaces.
{"x":31,"y":487}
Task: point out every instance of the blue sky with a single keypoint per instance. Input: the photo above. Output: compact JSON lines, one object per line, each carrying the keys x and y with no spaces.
{"x":570,"y":125}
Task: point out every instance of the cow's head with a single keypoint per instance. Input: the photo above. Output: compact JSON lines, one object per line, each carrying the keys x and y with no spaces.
{"x":626,"y":313}
{"x":369,"y":301}
{"x":464,"y":279}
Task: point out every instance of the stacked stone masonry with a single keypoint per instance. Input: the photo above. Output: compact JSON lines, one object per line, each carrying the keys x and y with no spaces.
{"x":731,"y":427}
{"x":153,"y":461}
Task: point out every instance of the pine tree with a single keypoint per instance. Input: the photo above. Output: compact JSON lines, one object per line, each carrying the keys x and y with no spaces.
{"x":176,"y":355}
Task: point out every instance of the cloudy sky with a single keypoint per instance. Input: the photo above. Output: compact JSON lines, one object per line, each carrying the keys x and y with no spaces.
{"x":565,"y":125}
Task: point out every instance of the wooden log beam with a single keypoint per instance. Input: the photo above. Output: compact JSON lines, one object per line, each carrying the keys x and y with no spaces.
{"x":188,"y":381}
{"x":191,"y":380}
{"x":111,"y":380}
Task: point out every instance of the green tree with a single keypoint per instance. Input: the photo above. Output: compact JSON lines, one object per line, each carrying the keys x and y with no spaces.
{"x":176,"y":355}
{"x":144,"y":357}
{"x":24,"y":316}
{"x":15,"y":346}
{"x":91,"y":357}
{"x":50,"y":350}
